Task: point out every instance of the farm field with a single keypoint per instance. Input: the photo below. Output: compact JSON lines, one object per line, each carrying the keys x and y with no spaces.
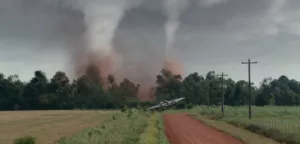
{"x":279,"y":123}
{"x":47,"y":126}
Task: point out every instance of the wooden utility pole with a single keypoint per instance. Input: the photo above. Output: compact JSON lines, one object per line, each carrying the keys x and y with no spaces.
{"x":249,"y":84}
{"x":208,"y":86}
{"x":222,"y":86}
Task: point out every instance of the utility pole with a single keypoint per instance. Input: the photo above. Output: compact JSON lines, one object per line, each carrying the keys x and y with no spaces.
{"x":222,"y":86}
{"x":208,"y":85}
{"x":249,"y":83}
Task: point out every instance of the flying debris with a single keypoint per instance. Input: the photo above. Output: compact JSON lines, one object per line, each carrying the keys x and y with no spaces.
{"x":166,"y":103}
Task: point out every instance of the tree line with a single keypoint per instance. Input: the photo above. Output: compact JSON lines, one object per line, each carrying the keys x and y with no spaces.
{"x":89,"y":91}
{"x":86,"y":92}
{"x":207,"y":90}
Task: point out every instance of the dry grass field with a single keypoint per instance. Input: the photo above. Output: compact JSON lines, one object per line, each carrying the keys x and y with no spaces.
{"x":47,"y":126}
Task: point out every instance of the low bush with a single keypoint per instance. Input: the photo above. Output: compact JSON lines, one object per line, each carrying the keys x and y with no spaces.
{"x":189,"y":106}
{"x":25,"y":140}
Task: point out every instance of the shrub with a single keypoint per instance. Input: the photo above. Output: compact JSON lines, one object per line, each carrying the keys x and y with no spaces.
{"x":114,"y":117}
{"x":189,"y":106}
{"x":124,"y":109}
{"x":25,"y":140}
{"x":129,"y":113}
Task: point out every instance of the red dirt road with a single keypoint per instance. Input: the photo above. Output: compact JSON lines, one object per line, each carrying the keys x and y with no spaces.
{"x":184,"y":129}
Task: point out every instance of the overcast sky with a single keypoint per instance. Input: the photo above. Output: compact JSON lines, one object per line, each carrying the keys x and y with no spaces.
{"x":212,"y":35}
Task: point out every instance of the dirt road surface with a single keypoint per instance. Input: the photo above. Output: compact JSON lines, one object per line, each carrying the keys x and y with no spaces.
{"x":184,"y":129}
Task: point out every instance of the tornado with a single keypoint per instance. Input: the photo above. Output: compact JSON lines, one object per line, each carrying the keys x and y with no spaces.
{"x":101,"y":20}
{"x":91,"y":35}
{"x":140,"y":38}
{"x":174,"y":9}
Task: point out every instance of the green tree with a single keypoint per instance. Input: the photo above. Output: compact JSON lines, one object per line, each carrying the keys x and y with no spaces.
{"x":59,"y":91}
{"x":193,"y":87}
{"x":129,"y":89}
{"x":35,"y":89}
{"x":168,"y":85}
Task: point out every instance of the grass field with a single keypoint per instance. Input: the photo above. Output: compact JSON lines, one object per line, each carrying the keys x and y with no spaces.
{"x":279,"y":123}
{"x":47,"y":126}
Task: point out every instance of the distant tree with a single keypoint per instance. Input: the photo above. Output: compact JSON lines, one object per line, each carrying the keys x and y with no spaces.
{"x":112,"y":81}
{"x":60,"y":92}
{"x":10,"y":92}
{"x":129,"y":89}
{"x":214,"y":88}
{"x":193,"y":88}
{"x":168,"y":85}
{"x":35,"y":89}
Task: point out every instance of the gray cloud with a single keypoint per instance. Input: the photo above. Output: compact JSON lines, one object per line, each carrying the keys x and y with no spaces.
{"x":234,"y":28}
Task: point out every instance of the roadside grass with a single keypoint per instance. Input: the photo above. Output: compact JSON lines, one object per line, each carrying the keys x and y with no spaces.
{"x":150,"y":134}
{"x":154,"y":130}
{"x":162,"y":138}
{"x":279,"y":123}
{"x":123,"y":128}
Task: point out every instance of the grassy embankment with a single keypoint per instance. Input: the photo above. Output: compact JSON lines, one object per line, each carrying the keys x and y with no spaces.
{"x":279,"y":123}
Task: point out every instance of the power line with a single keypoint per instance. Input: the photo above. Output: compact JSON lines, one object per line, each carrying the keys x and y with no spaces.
{"x":222,"y":86}
{"x":249,"y":83}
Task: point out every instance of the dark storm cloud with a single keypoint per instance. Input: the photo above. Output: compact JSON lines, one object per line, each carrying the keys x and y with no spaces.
{"x":38,"y":19}
{"x":228,"y":31}
{"x":217,"y":15}
{"x":291,"y":5}
{"x":35,"y":32}
{"x":19,"y":20}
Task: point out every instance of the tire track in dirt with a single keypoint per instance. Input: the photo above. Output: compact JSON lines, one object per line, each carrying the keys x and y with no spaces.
{"x":183,"y":129}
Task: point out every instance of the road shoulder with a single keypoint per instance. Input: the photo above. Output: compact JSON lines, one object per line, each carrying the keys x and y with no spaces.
{"x":244,"y":135}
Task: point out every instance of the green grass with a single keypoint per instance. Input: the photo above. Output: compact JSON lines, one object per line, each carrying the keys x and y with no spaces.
{"x":162,"y":139}
{"x":122,"y":128}
{"x":279,"y":123}
{"x":150,"y":134}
